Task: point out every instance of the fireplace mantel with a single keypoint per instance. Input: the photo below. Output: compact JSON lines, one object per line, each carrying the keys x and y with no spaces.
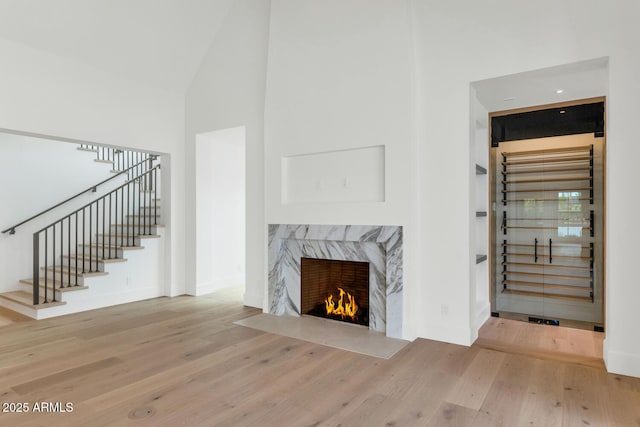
{"x":379,"y":245}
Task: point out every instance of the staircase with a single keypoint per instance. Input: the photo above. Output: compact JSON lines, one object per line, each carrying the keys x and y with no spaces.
{"x":95,"y":256}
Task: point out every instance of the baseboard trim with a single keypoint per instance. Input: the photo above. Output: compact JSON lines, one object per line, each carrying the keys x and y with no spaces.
{"x":218,"y":284}
{"x":618,"y":362}
{"x":253,"y":299}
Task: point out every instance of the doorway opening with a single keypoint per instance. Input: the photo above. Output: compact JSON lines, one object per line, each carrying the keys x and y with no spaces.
{"x":220,"y":210}
{"x":544,"y":331}
{"x":547,"y":239}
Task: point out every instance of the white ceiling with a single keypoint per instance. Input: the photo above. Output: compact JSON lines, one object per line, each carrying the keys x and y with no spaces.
{"x":579,"y":80}
{"x":158,"y":42}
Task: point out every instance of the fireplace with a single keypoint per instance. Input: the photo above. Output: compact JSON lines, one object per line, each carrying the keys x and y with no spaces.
{"x":380,"y":246}
{"x":335,"y":289}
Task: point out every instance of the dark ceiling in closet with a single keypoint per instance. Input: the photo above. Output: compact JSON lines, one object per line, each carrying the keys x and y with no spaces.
{"x":576,"y":119}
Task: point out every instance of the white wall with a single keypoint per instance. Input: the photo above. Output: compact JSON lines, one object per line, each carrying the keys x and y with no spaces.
{"x":220,"y":209}
{"x":36,"y":175}
{"x":339,"y":78}
{"x":461,"y":45}
{"x":343,"y":75}
{"x":47,"y":94}
{"x":228,"y":91}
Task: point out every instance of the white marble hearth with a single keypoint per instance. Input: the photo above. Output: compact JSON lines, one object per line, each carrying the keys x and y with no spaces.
{"x":380,"y":246}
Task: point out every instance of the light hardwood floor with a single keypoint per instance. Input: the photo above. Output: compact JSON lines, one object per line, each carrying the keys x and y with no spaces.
{"x":181,"y":362}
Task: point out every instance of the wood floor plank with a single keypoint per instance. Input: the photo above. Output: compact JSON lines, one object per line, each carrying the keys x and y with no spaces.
{"x":451,"y":415}
{"x":68,"y":375}
{"x":181,"y":361}
{"x":505,"y":398}
{"x":475,"y":383}
{"x":581,"y":398}
{"x":543,"y":400}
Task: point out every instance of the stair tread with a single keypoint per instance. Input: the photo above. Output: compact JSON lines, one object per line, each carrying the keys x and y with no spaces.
{"x":66,"y":271}
{"x":141,"y":236}
{"x":65,"y":289}
{"x":99,"y":259}
{"x":26,"y":299}
{"x":100,"y":246}
{"x":136,"y":225}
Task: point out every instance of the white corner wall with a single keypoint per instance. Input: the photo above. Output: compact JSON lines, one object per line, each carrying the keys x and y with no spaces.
{"x":461,"y":45}
{"x":228,"y":91}
{"x":46,"y":94}
{"x":344,"y":75}
{"x":339,"y":78}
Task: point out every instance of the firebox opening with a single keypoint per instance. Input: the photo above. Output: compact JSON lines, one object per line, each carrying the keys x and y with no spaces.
{"x":334,"y":289}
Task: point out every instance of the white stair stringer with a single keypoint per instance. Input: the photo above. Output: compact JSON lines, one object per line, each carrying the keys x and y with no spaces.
{"x":136,"y":279}
{"x":131,"y":270}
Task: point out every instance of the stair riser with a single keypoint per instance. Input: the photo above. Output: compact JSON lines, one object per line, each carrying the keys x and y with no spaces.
{"x":65,"y":265}
{"x":29,"y":288}
{"x":97,"y":252}
{"x":18,"y":308}
{"x":86,"y":267}
{"x":49,"y":282}
{"x":120,"y":241}
{"x":65,"y":273}
{"x":150,"y":219}
{"x":134,"y":229}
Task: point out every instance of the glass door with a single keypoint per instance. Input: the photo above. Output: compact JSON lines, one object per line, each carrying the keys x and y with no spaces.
{"x":568,"y":236}
{"x":522,"y":201}
{"x":545,"y":266}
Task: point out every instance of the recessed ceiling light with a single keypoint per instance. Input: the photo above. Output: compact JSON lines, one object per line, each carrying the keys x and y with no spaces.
{"x":559,"y":91}
{"x":510,"y":98}
{"x":562,"y":111}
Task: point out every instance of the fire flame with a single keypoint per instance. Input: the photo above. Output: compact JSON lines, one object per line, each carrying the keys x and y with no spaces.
{"x":347,"y":308}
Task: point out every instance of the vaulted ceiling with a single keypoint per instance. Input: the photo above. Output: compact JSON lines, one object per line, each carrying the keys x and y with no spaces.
{"x":158,"y":42}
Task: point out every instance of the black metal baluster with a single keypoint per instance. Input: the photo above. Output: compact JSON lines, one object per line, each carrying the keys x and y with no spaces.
{"x":53,"y":257}
{"x":36,"y":268}
{"x":103,"y":232}
{"x":46,"y":261}
{"x":84,"y":240}
{"x":155,"y":195}
{"x":129,"y":203}
{"x":90,"y":239}
{"x":122,"y":231}
{"x":138,"y":210}
{"x":143,"y":211}
{"x":61,"y":254}
{"x":535,"y":249}
{"x":550,"y":254}
{"x":149,"y":196}
{"x":69,"y":251}
{"x":76,"y":249}
{"x":97,"y":231}
{"x":110,"y":210}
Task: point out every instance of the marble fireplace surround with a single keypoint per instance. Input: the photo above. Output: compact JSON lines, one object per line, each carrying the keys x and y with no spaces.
{"x":379,"y":245}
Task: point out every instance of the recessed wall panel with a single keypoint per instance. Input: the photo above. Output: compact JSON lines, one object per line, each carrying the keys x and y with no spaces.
{"x":355,"y":175}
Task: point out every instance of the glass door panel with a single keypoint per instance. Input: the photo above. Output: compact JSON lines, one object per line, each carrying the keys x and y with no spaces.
{"x":545,"y":232}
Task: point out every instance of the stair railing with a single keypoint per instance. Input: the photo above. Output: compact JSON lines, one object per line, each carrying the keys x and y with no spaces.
{"x":133,"y":169}
{"x":121,"y":159}
{"x":116,"y":218}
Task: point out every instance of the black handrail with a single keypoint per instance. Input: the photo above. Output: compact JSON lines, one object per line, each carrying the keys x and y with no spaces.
{"x":12,"y":230}
{"x":133,"y":205}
